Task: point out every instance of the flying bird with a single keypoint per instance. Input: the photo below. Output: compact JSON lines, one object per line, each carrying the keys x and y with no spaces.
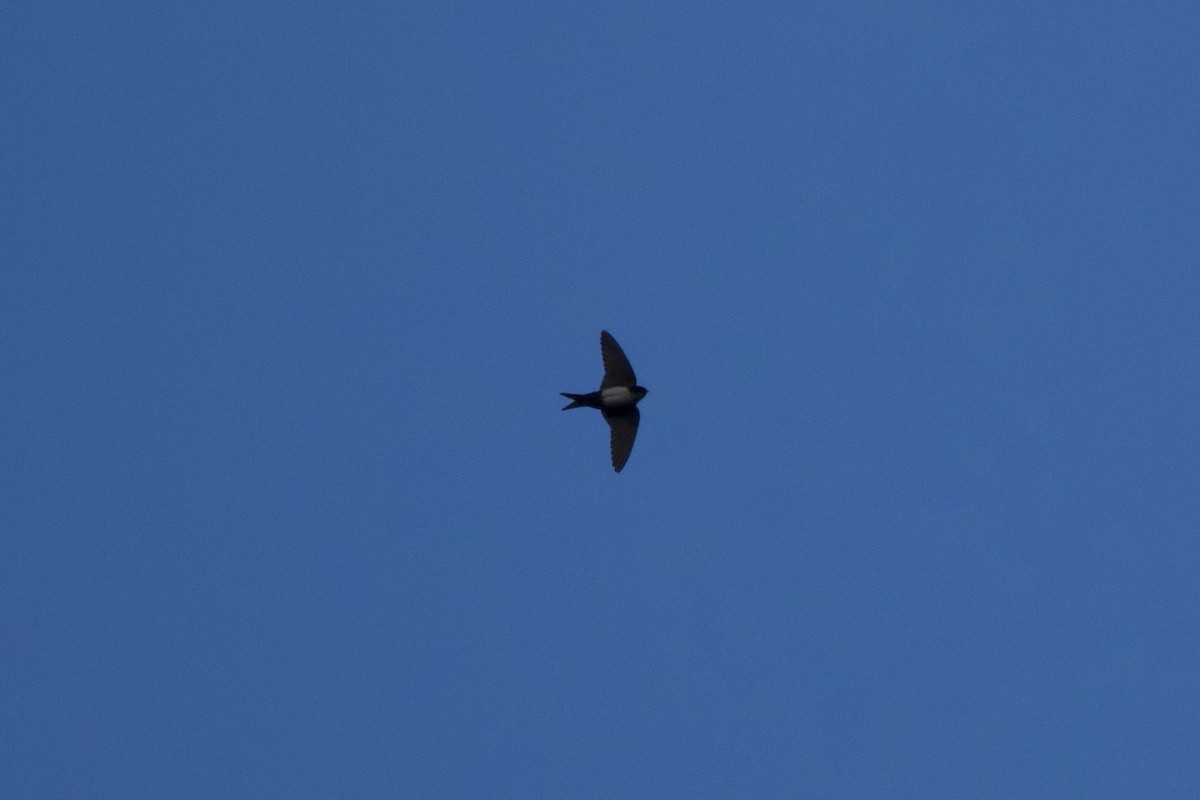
{"x":617,"y":399}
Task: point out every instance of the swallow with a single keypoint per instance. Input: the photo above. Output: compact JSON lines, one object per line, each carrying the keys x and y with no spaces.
{"x":617,"y":399}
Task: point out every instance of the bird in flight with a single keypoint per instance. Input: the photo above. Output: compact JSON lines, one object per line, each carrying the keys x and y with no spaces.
{"x":617,"y":399}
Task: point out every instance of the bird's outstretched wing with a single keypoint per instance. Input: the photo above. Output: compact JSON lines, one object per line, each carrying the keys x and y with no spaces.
{"x":623,"y":430}
{"x":617,"y":370}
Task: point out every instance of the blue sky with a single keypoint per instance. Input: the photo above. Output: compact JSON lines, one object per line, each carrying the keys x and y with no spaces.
{"x":290,"y":509}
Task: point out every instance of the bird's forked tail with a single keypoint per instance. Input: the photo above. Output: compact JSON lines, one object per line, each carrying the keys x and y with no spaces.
{"x":574,"y":398}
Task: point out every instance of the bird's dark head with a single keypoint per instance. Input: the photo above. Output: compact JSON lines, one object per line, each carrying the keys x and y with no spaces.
{"x":639,"y":391}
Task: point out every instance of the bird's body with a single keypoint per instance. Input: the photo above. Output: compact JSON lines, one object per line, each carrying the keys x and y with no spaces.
{"x":613,"y":399}
{"x":617,"y":399}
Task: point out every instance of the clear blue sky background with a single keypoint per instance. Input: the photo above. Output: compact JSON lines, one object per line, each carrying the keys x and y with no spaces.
{"x":289,"y":509}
